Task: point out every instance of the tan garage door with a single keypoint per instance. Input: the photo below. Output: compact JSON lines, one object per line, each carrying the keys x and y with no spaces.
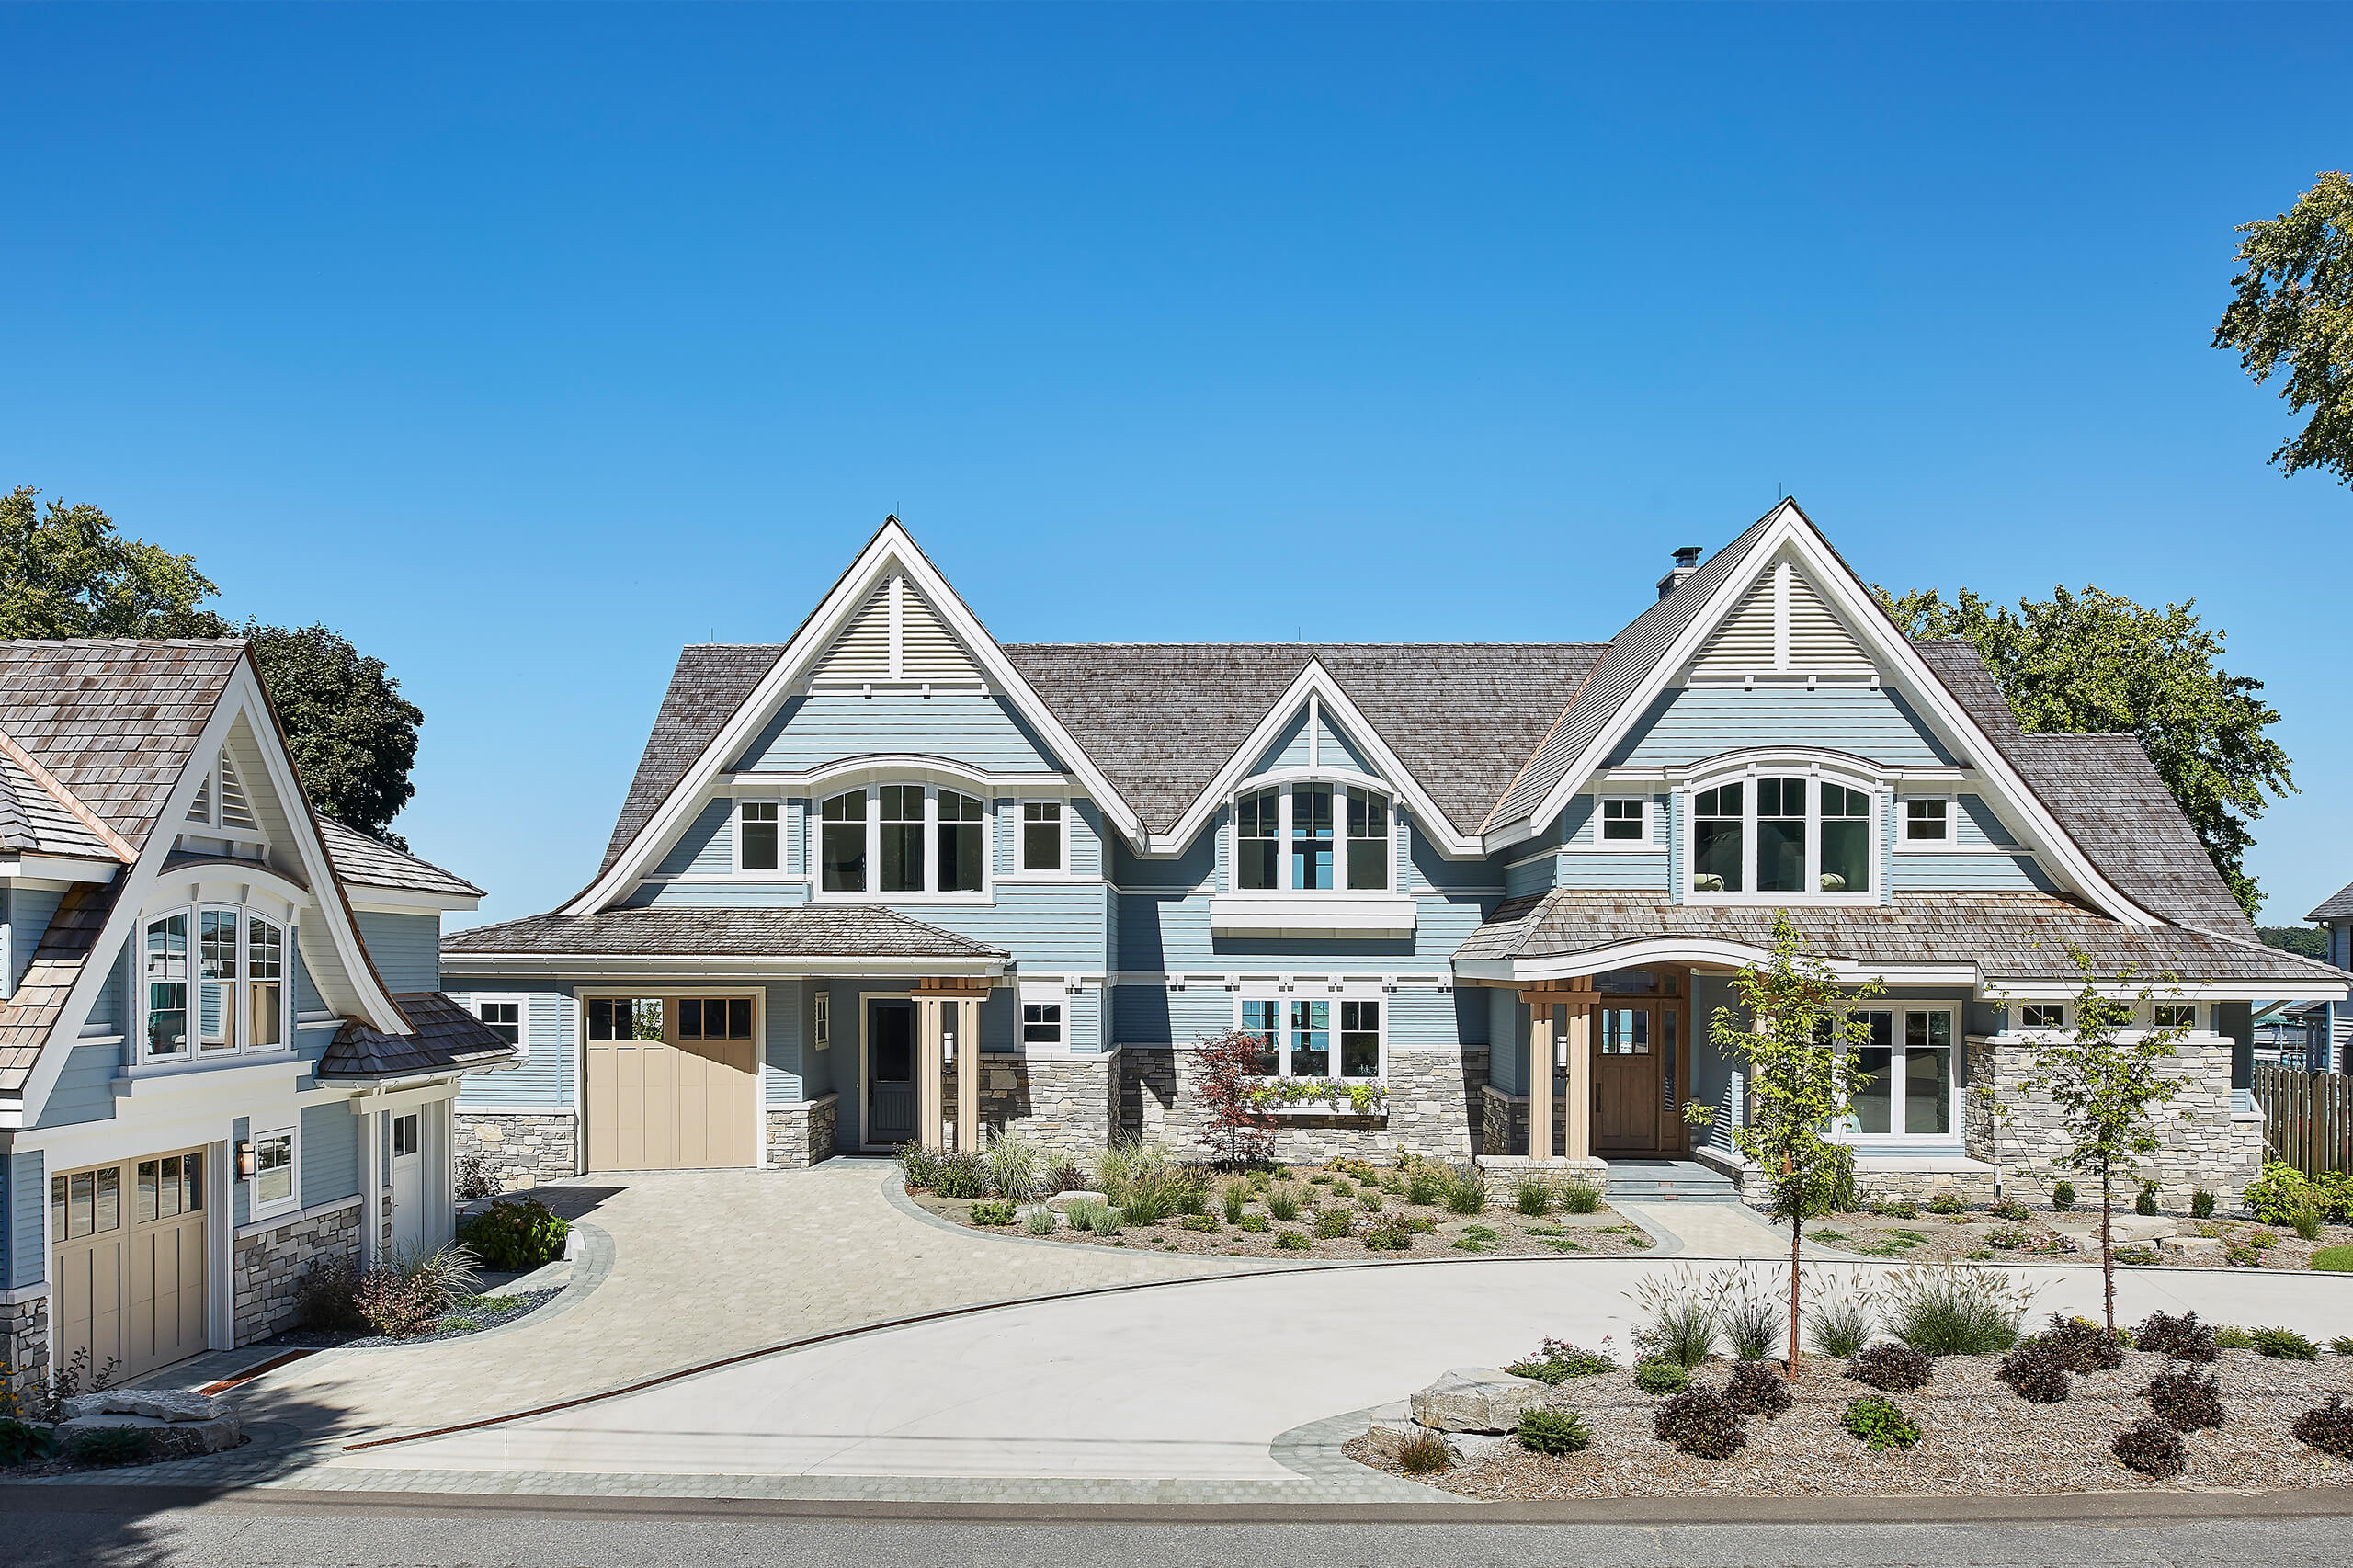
{"x":129,"y":1255}
{"x":670,"y":1084}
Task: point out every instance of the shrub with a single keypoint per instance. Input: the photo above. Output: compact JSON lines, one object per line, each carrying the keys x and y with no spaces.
{"x":1423,"y":1454}
{"x":1533,"y":1196}
{"x":409,"y":1293}
{"x":2009,"y":1238}
{"x":1895,"y":1208}
{"x":2201,"y":1204}
{"x":2063,"y":1196}
{"x":2137,"y":1256}
{"x":1426,"y":1187}
{"x":993,"y":1211}
{"x":2180,"y":1338}
{"x":514,"y":1234}
{"x":1093,"y":1215}
{"x":1947,"y":1309}
{"x":2341,"y":1345}
{"x":1556,"y":1363}
{"x":1038,"y":1222}
{"x":1682,"y":1326}
{"x":1466,"y":1191}
{"x":2081,"y":1346}
{"x":476,"y":1177}
{"x":1254,"y":1223}
{"x":1421,"y":1224}
{"x":1291,"y":1241}
{"x":2240,"y":1256}
{"x":1016,"y":1167}
{"x":2230,"y":1336}
{"x":1334,"y":1224}
{"x":1702,"y":1422}
{"x":2307,"y":1225}
{"x":1880,"y":1424}
{"x":2146,"y":1205}
{"x":1840,"y":1324}
{"x":21,"y":1442}
{"x":917,"y":1164}
{"x":2282,"y":1189}
{"x":1392,"y":1234}
{"x":1231,"y":1200}
{"x":113,"y":1445}
{"x":2327,"y":1427}
{"x":1546,"y":1430}
{"x":1200,"y":1223}
{"x":1946,"y":1203}
{"x":1368,"y":1201}
{"x":323,"y":1297}
{"x":2186,"y":1400}
{"x":2034,"y":1374}
{"x":1893,"y":1366}
{"x":1756,"y":1389}
{"x":1283,"y":1203}
{"x":1067,"y":1175}
{"x":2153,"y":1448}
{"x":959,"y":1174}
{"x":1579,"y":1196}
{"x":1661,"y":1377}
{"x":2285,"y":1344}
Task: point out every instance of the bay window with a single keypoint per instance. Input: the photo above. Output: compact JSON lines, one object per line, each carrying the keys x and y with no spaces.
{"x":1909,"y":1059}
{"x":1311,"y":837}
{"x":1776,"y":836}
{"x":239,"y":978}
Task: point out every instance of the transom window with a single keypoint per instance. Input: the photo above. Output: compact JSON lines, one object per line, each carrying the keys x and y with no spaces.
{"x":1042,"y":835}
{"x":716,"y":1017}
{"x":2043,"y":1016}
{"x":915,"y":838}
{"x":1909,"y":1059}
{"x":1928,"y":819}
{"x":1295,"y":1036}
{"x":1623,"y":819}
{"x":1337,"y":835}
{"x":756,"y":834}
{"x":1783,"y":835}
{"x":239,"y":978}
{"x":2176,"y":1014}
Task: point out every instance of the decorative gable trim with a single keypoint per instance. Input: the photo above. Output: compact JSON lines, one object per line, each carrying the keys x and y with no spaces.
{"x":1793,"y":540}
{"x":1314,"y":686}
{"x":890,"y":571}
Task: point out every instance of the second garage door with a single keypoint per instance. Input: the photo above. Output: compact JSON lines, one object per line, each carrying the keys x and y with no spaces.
{"x":670,"y":1084}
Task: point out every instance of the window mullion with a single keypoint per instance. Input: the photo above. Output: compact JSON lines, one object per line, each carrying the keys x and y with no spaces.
{"x":1286,"y":858}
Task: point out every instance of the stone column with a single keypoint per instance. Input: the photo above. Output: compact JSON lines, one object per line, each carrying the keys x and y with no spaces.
{"x":1540,"y":1075}
{"x":967,"y":1072}
{"x":928,"y":1069}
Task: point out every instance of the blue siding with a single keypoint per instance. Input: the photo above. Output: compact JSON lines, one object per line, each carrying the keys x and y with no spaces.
{"x":1687,"y":726}
{"x":1422,"y":1018}
{"x":980,"y":731}
{"x":406,"y":948}
{"x":240,"y":1193}
{"x":1538,"y":873}
{"x":1335,"y":749}
{"x":1087,"y":835}
{"x":330,"y":1153}
{"x":1971,"y":872}
{"x":1507,"y":1040}
{"x":543,"y":1079}
{"x":107,"y":1006}
{"x":1006,"y":812}
{"x":795,"y":817}
{"x":1047,"y":925}
{"x":1978,"y":824}
{"x":1601,"y":869}
{"x":1887,"y":831}
{"x":30,"y":912}
{"x":27,"y":1259}
{"x":672,"y":895}
{"x":82,"y":1091}
{"x":781,"y":1076}
{"x":1154,"y":1015}
{"x":1290,"y":749}
{"x":707,"y":847}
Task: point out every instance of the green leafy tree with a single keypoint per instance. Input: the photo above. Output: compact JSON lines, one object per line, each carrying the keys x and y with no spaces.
{"x":1798,"y":1043}
{"x":2293,"y":305}
{"x":2106,"y":1090}
{"x":352,"y":733}
{"x":2304,"y":941}
{"x":2096,"y":662}
{"x":65,"y":572}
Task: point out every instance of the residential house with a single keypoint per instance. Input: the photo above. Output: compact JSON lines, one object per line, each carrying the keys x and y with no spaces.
{"x":2332,"y":1036}
{"x":223,"y":1052}
{"x":890,"y":879}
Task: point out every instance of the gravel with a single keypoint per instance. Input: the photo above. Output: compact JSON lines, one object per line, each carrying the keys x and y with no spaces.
{"x":1976,"y":1437}
{"x":1945,"y":1238}
{"x":476,"y":1319}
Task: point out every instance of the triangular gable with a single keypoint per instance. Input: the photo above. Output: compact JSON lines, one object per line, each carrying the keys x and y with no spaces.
{"x":1311,"y":740}
{"x":1781,"y":627}
{"x":934,"y":635}
{"x":1786,"y":536}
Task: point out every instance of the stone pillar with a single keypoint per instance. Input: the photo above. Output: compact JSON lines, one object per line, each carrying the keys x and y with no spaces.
{"x":967,"y":1072}
{"x":928,"y":1069}
{"x":1540,"y":1075}
{"x":1579,"y":1110}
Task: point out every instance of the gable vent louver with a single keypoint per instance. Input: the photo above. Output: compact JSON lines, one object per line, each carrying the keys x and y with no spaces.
{"x":862,"y":651}
{"x":895,"y":637}
{"x":202,"y":811}
{"x":1781,"y":627}
{"x":235,"y":812}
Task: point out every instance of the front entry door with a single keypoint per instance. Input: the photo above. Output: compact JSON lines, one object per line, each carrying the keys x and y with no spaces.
{"x":891,"y":1073}
{"x":408,"y":1188}
{"x":1626,"y":1089}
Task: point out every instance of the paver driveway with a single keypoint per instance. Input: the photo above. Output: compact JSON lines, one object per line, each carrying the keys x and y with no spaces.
{"x":707,"y":1264}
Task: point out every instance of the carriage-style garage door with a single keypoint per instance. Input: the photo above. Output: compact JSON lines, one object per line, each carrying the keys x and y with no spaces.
{"x":670,"y":1084}
{"x":129,"y":1253}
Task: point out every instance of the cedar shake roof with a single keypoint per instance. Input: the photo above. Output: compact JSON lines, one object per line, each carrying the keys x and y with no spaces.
{"x":790,"y":931}
{"x":2011,"y":936}
{"x":710,"y":683}
{"x":33,"y":822}
{"x":362,"y":861}
{"x":26,"y":1017}
{"x":1161,"y":719}
{"x":2338,"y":907}
{"x":448,"y":1039}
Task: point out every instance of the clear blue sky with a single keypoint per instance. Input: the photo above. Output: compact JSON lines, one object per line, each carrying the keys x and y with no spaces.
{"x":526,"y":345}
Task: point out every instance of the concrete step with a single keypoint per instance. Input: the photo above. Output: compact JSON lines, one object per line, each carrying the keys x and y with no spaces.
{"x":1670,"y":1182}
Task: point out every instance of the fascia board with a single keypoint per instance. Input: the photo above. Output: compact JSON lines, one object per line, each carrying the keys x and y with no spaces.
{"x":37,"y":868}
{"x":407,"y":901}
{"x":890,"y":543}
{"x":591,"y":965}
{"x":1729,"y":954}
{"x":2185,"y":991}
{"x":1317,"y":681}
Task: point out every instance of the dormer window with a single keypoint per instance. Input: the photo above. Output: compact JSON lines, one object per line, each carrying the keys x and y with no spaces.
{"x":1777,"y":834}
{"x":1337,"y":837}
{"x":917,"y":839}
{"x":239,"y":983}
{"x":1256,"y":837}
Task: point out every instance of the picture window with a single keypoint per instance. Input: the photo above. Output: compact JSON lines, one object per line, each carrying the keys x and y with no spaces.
{"x":2043,"y":1016}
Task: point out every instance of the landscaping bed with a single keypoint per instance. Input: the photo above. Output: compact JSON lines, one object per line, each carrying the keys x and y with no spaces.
{"x":1978,"y":1235}
{"x":469,"y":1315}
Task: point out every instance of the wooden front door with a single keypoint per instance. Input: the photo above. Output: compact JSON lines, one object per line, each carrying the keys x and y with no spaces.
{"x":129,"y":1255}
{"x":891,"y":1073}
{"x":1628,"y":1089}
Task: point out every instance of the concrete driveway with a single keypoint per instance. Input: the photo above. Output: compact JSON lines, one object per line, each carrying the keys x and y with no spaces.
{"x":1189,"y":1381}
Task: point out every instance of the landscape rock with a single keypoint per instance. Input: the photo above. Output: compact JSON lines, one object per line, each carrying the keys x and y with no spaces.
{"x":1476,"y":1399}
{"x":2193,"y":1249}
{"x":158,"y":1404}
{"x":1390,"y":1428}
{"x":1065,"y":1200}
{"x":170,"y":1440}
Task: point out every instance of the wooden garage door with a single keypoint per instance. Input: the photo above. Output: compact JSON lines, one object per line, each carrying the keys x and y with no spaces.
{"x":670,"y":1084}
{"x":129,"y":1254}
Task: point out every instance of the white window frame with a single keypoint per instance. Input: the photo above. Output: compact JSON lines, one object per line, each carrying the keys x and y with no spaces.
{"x":1019,"y":829}
{"x":929,"y":893}
{"x":1042,"y":993}
{"x":255,"y":1207}
{"x":821,"y":1021}
{"x":1282,"y":997}
{"x":520,"y":1001}
{"x":1650,"y":842}
{"x":2053,"y":1025}
{"x":2191,"y":1007}
{"x":240,"y":982}
{"x":743,"y":807}
{"x":1897,"y":1082}
{"x":1286,"y":880}
{"x":1950,"y":839}
{"x":1748,"y":776}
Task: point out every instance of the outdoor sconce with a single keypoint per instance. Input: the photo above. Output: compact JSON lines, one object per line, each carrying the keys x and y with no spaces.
{"x":244,"y":1159}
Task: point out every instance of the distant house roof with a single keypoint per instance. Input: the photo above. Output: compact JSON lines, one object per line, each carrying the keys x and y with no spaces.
{"x":362,"y":861}
{"x":813,"y":931}
{"x":2339,"y":906}
{"x":448,"y":1039}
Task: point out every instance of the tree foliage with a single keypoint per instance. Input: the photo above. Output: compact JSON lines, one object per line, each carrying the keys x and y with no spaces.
{"x":2304,"y":941}
{"x":65,"y":572}
{"x":1798,"y":1042}
{"x":352,"y":733}
{"x":2097,"y":661}
{"x":1226,"y":1068}
{"x":2293,"y":305}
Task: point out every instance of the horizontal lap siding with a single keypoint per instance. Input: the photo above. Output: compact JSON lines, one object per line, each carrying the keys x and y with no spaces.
{"x":1978,"y":824}
{"x":330,"y":1153}
{"x":1971,"y":872}
{"x":1290,"y":749}
{"x":1638,"y":869}
{"x":1042,"y":925}
{"x":707,"y":848}
{"x":1335,"y":749}
{"x":406,"y":948}
{"x":1425,"y":1018}
{"x":1686,"y":726}
{"x":1154,"y":1015}
{"x":781,"y":1075}
{"x":1086,"y":838}
{"x":1536,"y":874}
{"x":83,"y":1090}
{"x":979,"y":731}
{"x":543,"y":1080}
{"x":28,"y":1193}
{"x":30,"y":912}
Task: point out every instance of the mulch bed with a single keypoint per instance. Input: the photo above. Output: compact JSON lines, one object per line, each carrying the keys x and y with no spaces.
{"x":1976,"y":1437}
{"x":475,"y":1319}
{"x":1945,"y":1238}
{"x":1501,"y":1233}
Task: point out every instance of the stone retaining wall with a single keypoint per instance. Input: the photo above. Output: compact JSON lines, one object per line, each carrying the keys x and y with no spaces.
{"x":2201,"y":1144}
{"x":266,"y":1266}
{"x":800,"y":1135}
{"x":522,"y":1151}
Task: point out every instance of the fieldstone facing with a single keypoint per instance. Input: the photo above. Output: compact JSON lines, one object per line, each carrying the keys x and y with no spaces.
{"x":24,"y":1344}
{"x":800,"y":1135}
{"x":1476,"y":1399}
{"x":265,"y":1271}
{"x":1427,"y":1109}
{"x":1062,"y":1104}
{"x":522,"y":1150}
{"x":2202,"y":1142}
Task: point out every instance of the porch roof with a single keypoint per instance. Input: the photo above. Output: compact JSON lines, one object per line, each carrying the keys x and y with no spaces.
{"x":2008,"y":937}
{"x":843,"y":932}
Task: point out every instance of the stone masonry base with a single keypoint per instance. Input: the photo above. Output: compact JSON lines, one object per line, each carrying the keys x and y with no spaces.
{"x":518,"y":1151}
{"x":1062,"y":1104}
{"x":1428,"y":1109}
{"x":23,"y":1346}
{"x":2201,"y":1142}
{"x":267,"y":1265}
{"x":800,"y":1135}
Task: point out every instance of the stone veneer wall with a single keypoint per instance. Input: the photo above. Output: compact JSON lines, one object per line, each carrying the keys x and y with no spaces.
{"x":267,"y":1267}
{"x":1428,"y":1112}
{"x":1060,"y":1103}
{"x":24,"y":1344}
{"x":2201,"y":1142}
{"x":523,"y":1150}
{"x":800,"y":1135}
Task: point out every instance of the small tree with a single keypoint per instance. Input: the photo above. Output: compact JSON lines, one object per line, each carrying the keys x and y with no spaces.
{"x":1798,"y":1046}
{"x":2106,"y":1089}
{"x":1225,"y":1068}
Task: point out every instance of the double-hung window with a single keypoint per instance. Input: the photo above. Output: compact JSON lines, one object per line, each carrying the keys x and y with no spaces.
{"x":274,"y":1185}
{"x":1042,"y":835}
{"x":1718,"y":851}
{"x":1780,"y":836}
{"x":265,"y":982}
{"x":1339,"y":1037}
{"x":1360,"y":1039}
{"x":1311,"y":1039}
{"x":755,"y":827}
{"x":1263,"y":1020}
{"x":1623,"y":819}
{"x":1311,"y":836}
{"x":1909,"y":1062}
{"x":1368,"y":841}
{"x":216,"y":971}
{"x":1256,"y":827}
{"x":901,"y":858}
{"x":1846,"y":840}
{"x":164,"y":972}
{"x":1928,"y":819}
{"x":960,"y":840}
{"x":1041,"y":1023}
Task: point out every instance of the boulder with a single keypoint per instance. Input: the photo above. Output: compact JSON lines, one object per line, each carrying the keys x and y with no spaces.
{"x":156,"y":1404}
{"x":1391,"y":1427}
{"x":1476,"y":1399}
{"x":2193,"y":1249}
{"x":168,"y":1439}
{"x":1065,"y":1200}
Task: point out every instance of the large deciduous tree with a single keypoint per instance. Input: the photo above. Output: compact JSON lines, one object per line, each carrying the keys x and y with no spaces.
{"x":2096,"y":660}
{"x":352,"y":733}
{"x":2292,"y":307}
{"x":65,"y":572}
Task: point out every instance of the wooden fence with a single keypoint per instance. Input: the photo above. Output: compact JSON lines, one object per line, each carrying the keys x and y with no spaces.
{"x":2307,"y":1117}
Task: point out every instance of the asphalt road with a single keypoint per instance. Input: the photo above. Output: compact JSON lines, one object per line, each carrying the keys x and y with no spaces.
{"x":254,"y":1533}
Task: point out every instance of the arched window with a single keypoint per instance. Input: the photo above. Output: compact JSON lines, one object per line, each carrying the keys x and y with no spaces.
{"x":1781,"y":834}
{"x":903,"y":839}
{"x":1311,"y":837}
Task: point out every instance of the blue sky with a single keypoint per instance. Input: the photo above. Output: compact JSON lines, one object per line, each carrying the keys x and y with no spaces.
{"x":525,"y":345}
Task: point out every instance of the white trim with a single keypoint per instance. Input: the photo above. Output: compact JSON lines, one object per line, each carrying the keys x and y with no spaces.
{"x":519,"y":1000}
{"x":739,"y":809}
{"x":1748,"y":775}
{"x":1898,"y":1081}
{"x":255,"y":1208}
{"x":1313,"y":912}
{"x":928,"y":831}
{"x":1944,"y":843}
{"x":1065,"y":810}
